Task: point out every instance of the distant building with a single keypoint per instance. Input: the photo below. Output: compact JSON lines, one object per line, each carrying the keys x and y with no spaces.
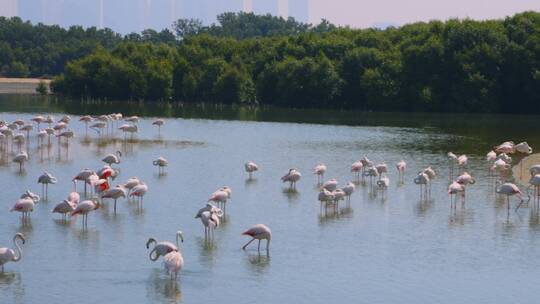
{"x":299,"y":9}
{"x":9,"y":8}
{"x":263,"y":7}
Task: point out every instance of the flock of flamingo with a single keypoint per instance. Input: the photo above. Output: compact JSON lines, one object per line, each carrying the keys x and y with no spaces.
{"x":97,"y":183}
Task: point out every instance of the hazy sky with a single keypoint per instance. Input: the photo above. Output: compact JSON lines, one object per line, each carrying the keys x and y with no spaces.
{"x":364,"y":13}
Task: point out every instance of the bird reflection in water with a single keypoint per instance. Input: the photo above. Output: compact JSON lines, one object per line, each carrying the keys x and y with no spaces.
{"x":291,"y":194}
{"x":335,"y":214}
{"x":258,"y":262}
{"x":160,"y":288}
{"x":423,"y":206}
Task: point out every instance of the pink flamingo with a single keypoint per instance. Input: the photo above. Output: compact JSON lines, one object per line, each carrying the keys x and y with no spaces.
{"x":173,"y":262}
{"x":259,"y":232}
{"x":320,"y":170}
{"x":10,"y":255}
{"x":84,"y":208}
{"x":24,"y":205}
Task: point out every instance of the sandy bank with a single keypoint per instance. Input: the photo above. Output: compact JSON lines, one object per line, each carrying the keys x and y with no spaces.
{"x":20,"y":85}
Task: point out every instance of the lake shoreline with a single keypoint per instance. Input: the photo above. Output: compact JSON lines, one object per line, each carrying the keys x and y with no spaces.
{"x":21,"y":86}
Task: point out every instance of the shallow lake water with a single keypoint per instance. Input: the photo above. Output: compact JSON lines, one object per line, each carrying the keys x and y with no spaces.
{"x":396,"y":249}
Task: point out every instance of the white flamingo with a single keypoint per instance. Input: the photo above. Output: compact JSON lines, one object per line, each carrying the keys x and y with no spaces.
{"x":10,"y":255}
{"x":259,"y":232}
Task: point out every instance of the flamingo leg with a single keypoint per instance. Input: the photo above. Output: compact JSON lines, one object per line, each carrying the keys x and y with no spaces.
{"x":244,"y":247}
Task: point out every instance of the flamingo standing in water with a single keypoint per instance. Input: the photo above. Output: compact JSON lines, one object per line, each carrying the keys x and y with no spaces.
{"x":348,"y":189}
{"x":510,"y":189}
{"x":173,"y":262}
{"x":21,"y":158}
{"x":86,"y":119}
{"x":357,"y":168}
{"x":139,"y":191}
{"x":330,"y":185}
{"x":159,"y":122}
{"x":292,"y":177}
{"x":210,"y":221}
{"x":454,"y":189}
{"x":221,"y":196}
{"x":507,"y":147}
{"x":38,"y":120}
{"x":45,"y":179}
{"x":422,"y":179}
{"x":129,"y":129}
{"x":535,"y":182}
{"x":82,"y":176}
{"x":112,"y":158}
{"x":251,"y":167}
{"x":131,"y":183}
{"x":319,"y":170}
{"x":382,"y":184}
{"x":401,"y":166}
{"x":163,"y":248}
{"x":431,"y":174}
{"x":161,"y":163}
{"x":372,"y":173}
{"x":10,"y":255}
{"x":259,"y":232}
{"x":452,"y":159}
{"x":29,"y":194}
{"x":64,"y":208}
{"x":24,"y":206}
{"x":84,"y":208}
{"x":115,"y":193}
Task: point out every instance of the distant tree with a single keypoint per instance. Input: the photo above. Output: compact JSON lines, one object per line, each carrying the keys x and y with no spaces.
{"x":187,"y":27}
{"x":42,"y":88}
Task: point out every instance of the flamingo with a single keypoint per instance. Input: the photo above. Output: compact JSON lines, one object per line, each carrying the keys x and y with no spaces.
{"x":259,"y":232}
{"x":452,"y":159}
{"x":210,"y":221}
{"x":465,"y":179}
{"x":251,"y":167}
{"x":535,"y":182}
{"x":431,"y":174}
{"x":221,"y":196}
{"x":45,"y":179}
{"x":10,"y":255}
{"x":319,"y":170}
{"x":82,"y":176}
{"x":65,"y":119}
{"x":67,"y":135}
{"x":349,"y":188}
{"x":159,"y":122}
{"x":112,"y":158}
{"x":506,"y":147}
{"x":49,"y":120}
{"x":400,"y":166}
{"x":330,"y":185}
{"x":60,"y":126}
{"x":107,"y":172}
{"x":19,"y":140}
{"x":163,"y":248}
{"x":64,"y":208}
{"x":173,"y":262}
{"x":21,"y":158}
{"x":422,"y":179}
{"x":161,"y":163}
{"x":98,"y":127}
{"x":38,"y":120}
{"x":115,"y":193}
{"x":454,"y":189}
{"x":523,"y":148}
{"x":356,"y":168}
{"x":24,"y":205}
{"x":383,"y":183}
{"x":74,"y":197}
{"x":129,"y":129}
{"x":28,"y":194}
{"x":462,"y":161}
{"x":211,"y":208}
{"x":86,"y":119}
{"x":381,"y":168}
{"x":325,"y":196}
{"x":339,"y":195}
{"x":139,"y":191}
{"x":292,"y":177}
{"x":131,"y":183}
{"x":372,"y":173}
{"x":84,"y":208}
{"x":132,"y":119}
{"x":509,"y":189}
{"x":27,"y":129}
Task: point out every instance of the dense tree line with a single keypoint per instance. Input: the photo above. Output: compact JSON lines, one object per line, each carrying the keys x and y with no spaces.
{"x":452,"y":66}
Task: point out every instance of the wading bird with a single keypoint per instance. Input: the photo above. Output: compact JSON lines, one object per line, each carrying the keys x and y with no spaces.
{"x":251,"y":167}
{"x":112,"y":158}
{"x":173,"y":262}
{"x":10,"y":255}
{"x":401,"y":166}
{"x":292,"y":177}
{"x":319,"y":170}
{"x":161,"y":163}
{"x":164,"y":247}
{"x":84,"y":208}
{"x":45,"y":179}
{"x":159,"y":122}
{"x":24,"y":206}
{"x":259,"y":232}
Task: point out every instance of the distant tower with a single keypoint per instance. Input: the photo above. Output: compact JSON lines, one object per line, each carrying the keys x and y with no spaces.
{"x":299,"y":9}
{"x":101,"y":19}
{"x":9,"y":8}
{"x":248,"y":6}
{"x":263,"y":7}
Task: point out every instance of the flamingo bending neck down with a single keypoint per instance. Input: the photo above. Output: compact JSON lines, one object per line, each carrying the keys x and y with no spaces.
{"x":259,"y":232}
